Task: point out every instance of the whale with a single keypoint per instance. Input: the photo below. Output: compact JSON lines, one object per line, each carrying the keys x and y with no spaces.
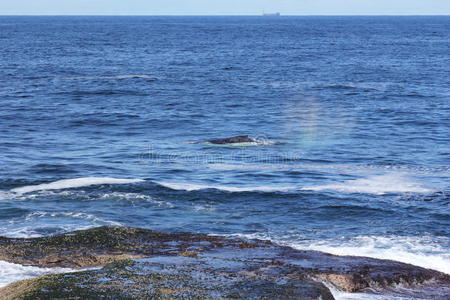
{"x":233,"y":140}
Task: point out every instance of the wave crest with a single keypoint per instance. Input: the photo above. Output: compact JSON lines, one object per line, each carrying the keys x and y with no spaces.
{"x":425,"y":251}
{"x":196,"y":187}
{"x":72,"y":183}
{"x":377,"y":185}
{"x":10,"y":272}
{"x":381,"y":184}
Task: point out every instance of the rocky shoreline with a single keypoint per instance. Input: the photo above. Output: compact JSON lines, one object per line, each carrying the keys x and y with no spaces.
{"x":134,"y":263}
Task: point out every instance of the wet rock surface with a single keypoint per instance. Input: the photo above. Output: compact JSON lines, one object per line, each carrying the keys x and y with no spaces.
{"x":99,"y":246}
{"x":167,"y":278}
{"x":140,"y":263}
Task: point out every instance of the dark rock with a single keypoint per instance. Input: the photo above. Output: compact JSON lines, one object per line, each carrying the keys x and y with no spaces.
{"x":167,"y":278}
{"x":102,"y":245}
{"x":356,"y":274}
{"x":148,"y":264}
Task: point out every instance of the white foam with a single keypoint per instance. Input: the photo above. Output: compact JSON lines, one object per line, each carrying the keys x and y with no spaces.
{"x":39,"y":223}
{"x":196,"y":187}
{"x":33,"y":231}
{"x":339,"y":295}
{"x":380,"y":184}
{"x":71,"y":215}
{"x":4,"y":195}
{"x":204,"y":208}
{"x":426,"y":251}
{"x":280,"y":163}
{"x":13,"y":272}
{"x":73,"y":183}
{"x":132,"y":197}
{"x":22,"y":232}
{"x":127,"y":196}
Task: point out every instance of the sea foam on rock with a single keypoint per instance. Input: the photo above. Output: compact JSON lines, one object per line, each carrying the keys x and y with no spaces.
{"x":141,"y":263}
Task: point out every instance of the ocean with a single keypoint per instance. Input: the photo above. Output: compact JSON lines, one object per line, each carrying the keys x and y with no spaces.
{"x":105,"y":121}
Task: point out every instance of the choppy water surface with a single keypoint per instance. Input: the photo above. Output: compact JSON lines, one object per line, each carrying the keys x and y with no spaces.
{"x":101,"y":117}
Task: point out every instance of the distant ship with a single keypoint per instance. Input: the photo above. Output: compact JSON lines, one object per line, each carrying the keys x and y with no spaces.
{"x":277,"y":14}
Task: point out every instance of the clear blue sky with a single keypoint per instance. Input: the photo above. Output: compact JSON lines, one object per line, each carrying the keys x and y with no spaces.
{"x":224,"y":7}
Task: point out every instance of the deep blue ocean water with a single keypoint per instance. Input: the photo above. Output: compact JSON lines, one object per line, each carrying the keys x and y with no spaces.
{"x":353,"y":116}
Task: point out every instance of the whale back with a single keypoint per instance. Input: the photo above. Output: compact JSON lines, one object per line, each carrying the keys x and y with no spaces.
{"x":233,"y":140}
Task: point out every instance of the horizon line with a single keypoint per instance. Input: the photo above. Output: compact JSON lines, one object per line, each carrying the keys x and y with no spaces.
{"x":224,"y":15}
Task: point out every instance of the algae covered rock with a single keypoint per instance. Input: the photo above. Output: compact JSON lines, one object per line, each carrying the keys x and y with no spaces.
{"x":145,"y":264}
{"x":167,"y":278}
{"x":102,"y":245}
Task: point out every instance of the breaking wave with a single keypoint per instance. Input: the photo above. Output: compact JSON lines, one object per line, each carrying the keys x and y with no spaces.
{"x":378,"y":185}
{"x":427,"y":251}
{"x":381,"y":184}
{"x":197,"y":187}
{"x":42,"y":223}
{"x":13,"y":272}
{"x":71,"y":215}
{"x":72,"y":183}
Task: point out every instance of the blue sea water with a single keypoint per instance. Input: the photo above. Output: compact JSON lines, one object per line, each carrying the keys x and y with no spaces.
{"x":352,"y":115}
